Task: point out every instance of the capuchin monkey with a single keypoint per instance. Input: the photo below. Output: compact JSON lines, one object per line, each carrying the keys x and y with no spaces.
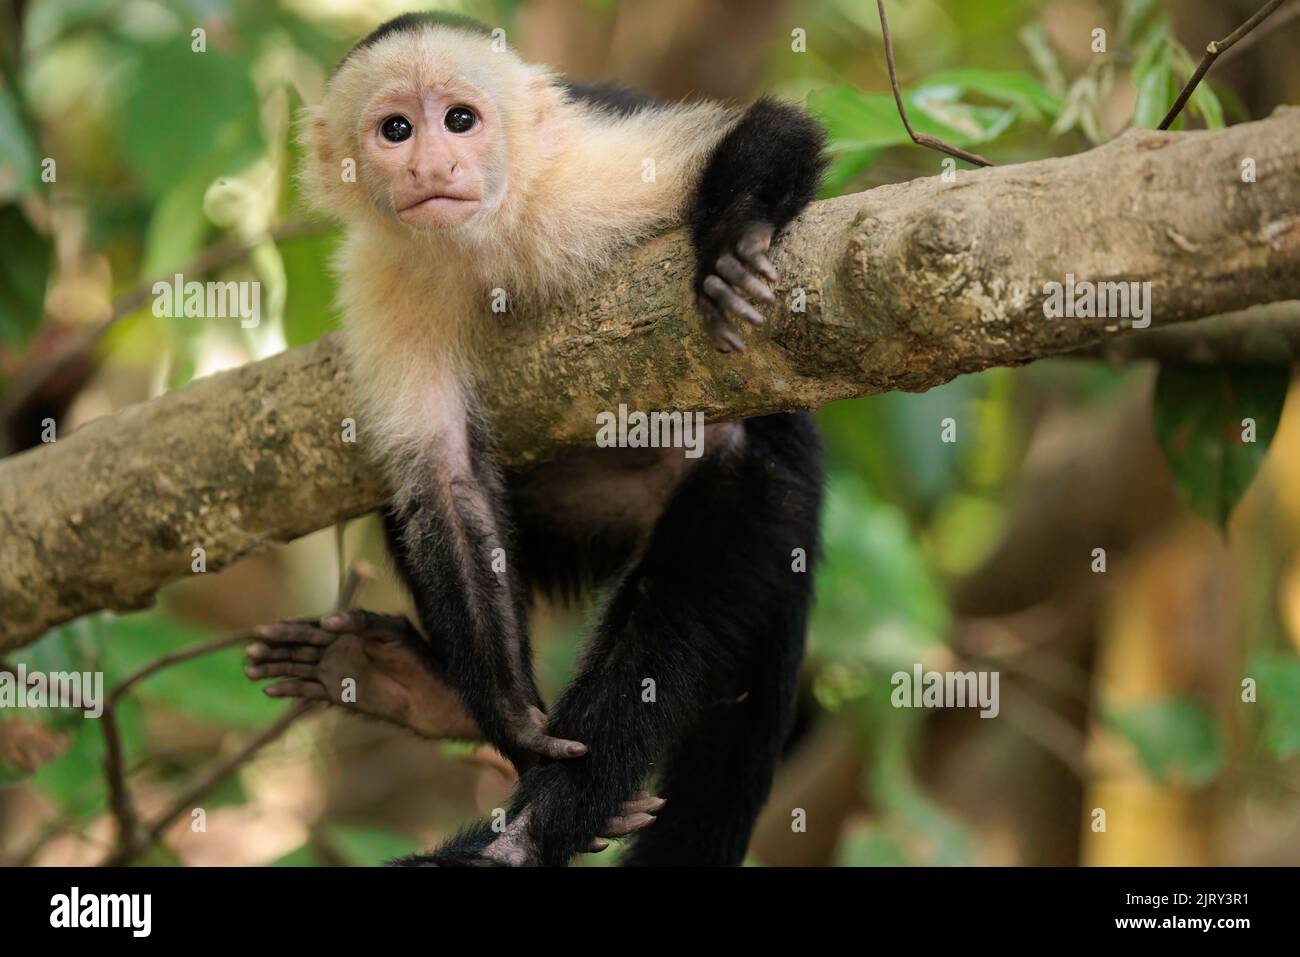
{"x":474,"y":172}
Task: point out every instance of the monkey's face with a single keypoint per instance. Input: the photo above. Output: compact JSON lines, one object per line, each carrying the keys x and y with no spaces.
{"x":427,"y":154}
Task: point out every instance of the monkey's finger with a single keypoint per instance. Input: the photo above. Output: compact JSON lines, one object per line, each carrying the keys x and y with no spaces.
{"x":754,"y":243}
{"x":279,"y":669}
{"x":725,"y":338}
{"x":558,"y":749}
{"x":597,"y":845}
{"x":729,"y":302}
{"x":625,"y":824}
{"x":755,"y":238}
{"x":293,"y":632}
{"x":642,"y":802}
{"x":741,"y":279}
{"x":261,"y":652}
{"x":764,"y":266}
{"x":297,"y":688}
{"x":367,"y":624}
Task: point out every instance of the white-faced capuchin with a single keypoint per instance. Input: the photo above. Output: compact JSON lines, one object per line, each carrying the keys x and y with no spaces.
{"x":474,"y":172}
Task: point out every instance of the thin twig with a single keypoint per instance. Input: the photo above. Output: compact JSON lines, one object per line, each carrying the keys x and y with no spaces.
{"x":119,"y":795}
{"x":921,"y":139}
{"x":1212,"y":52}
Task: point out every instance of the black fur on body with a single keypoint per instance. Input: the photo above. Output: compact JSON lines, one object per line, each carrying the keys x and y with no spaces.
{"x":697,"y":553}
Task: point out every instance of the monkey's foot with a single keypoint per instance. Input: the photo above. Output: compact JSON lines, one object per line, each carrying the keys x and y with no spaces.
{"x":513,"y":846}
{"x":365,"y":662}
{"x":635,"y":815}
{"x":738,"y":276}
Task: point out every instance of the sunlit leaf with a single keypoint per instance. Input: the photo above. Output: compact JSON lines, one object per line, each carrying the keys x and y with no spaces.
{"x":1175,"y":739}
{"x":1030,"y":97}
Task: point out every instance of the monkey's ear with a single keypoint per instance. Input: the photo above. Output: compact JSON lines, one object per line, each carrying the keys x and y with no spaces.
{"x":544,"y":111}
{"x":543,"y":100}
{"x":322,"y":175}
{"x":315,"y":138}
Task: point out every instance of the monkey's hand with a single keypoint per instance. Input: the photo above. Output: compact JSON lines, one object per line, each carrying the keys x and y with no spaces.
{"x":741,"y":273}
{"x":372,"y":664}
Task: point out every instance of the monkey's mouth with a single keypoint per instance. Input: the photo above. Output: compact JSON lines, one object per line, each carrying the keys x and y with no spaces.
{"x":439,"y":201}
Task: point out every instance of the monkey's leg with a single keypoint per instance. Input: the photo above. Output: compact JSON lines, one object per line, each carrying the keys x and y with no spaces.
{"x":762,"y":174}
{"x":689,"y":625}
{"x":716,"y":778}
{"x":451,"y":542}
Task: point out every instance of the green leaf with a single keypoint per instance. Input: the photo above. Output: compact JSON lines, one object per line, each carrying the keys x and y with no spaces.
{"x":1278,"y":679}
{"x":303,"y":856}
{"x":877,"y":602}
{"x":24,"y":267}
{"x":362,"y":846}
{"x":19,"y":160}
{"x":1034,"y":38}
{"x":1175,"y":739}
{"x":858,"y":120}
{"x":185,"y":115}
{"x":211,"y":687}
{"x":309,"y":310}
{"x":75,"y":780}
{"x":1030,"y":97}
{"x":177,"y":228}
{"x":1205,"y":104}
{"x":1154,"y":76}
{"x":871,"y":845}
{"x":1141,"y":21}
{"x":1204,"y":419}
{"x":72,"y":647}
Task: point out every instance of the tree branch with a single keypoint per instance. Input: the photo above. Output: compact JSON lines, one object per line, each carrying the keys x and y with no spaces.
{"x":904,"y":287}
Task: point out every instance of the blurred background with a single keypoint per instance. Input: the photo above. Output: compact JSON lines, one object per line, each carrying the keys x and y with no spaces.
{"x":1150,"y":711}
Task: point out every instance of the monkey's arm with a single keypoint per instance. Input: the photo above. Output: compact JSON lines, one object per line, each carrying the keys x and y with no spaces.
{"x":762,"y":174}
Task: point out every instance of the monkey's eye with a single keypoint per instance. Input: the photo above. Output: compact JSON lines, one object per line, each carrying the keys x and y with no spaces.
{"x":460,"y":119}
{"x":395,"y":129}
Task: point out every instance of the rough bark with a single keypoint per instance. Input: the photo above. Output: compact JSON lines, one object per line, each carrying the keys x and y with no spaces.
{"x":906,"y":286}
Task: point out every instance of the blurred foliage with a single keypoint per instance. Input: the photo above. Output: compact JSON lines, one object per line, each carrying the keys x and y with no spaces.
{"x":1215,"y":426}
{"x":1176,"y":739}
{"x":162,"y":153}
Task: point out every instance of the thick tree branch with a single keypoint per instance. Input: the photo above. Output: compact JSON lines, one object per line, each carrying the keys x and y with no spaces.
{"x":906,"y":287}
